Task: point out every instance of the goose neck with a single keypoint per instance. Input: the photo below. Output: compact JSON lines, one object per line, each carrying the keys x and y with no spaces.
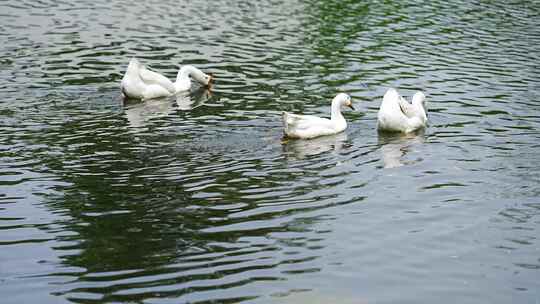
{"x":336,"y":111}
{"x":184,"y":73}
{"x":133,"y":68}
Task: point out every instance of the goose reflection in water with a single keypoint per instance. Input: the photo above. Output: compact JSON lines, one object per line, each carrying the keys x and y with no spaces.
{"x":140,"y":113}
{"x":395,"y":146}
{"x":190,"y":100}
{"x":302,"y":148}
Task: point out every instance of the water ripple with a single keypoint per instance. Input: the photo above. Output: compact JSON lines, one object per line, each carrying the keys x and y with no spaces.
{"x":198,"y":199}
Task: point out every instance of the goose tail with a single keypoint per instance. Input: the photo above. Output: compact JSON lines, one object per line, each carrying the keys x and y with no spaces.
{"x":285,"y":117}
{"x":287,"y":121}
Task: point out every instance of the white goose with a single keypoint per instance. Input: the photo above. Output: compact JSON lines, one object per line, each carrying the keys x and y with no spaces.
{"x":141,"y":83}
{"x":308,"y":126}
{"x":398,"y":115}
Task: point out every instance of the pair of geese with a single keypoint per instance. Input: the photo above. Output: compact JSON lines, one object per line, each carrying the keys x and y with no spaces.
{"x":395,"y":114}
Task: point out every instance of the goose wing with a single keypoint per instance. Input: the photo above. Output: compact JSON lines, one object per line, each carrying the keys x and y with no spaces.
{"x":406,"y":108}
{"x":306,"y":126}
{"x":153,"y":78}
{"x":306,"y":121}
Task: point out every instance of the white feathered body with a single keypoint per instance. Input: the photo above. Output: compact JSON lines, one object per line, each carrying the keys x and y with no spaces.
{"x":141,"y":83}
{"x":308,"y":126}
{"x":398,"y":115}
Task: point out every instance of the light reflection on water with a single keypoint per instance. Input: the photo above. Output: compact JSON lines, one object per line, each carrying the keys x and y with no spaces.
{"x":198,"y":198}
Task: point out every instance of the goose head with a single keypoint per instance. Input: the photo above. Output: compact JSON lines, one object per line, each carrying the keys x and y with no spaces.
{"x":205,"y":79}
{"x":343,"y":100}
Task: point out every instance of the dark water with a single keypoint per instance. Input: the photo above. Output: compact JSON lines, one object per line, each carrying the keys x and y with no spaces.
{"x":199,"y":200}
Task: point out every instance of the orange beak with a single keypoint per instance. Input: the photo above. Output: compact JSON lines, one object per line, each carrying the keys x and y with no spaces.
{"x":210,"y":81}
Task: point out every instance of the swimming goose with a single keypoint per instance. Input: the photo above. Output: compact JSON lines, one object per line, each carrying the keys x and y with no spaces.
{"x":308,"y":126}
{"x":398,"y":115}
{"x":141,"y":83}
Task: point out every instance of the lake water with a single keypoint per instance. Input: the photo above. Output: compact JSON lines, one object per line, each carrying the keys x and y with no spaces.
{"x":198,"y":199}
